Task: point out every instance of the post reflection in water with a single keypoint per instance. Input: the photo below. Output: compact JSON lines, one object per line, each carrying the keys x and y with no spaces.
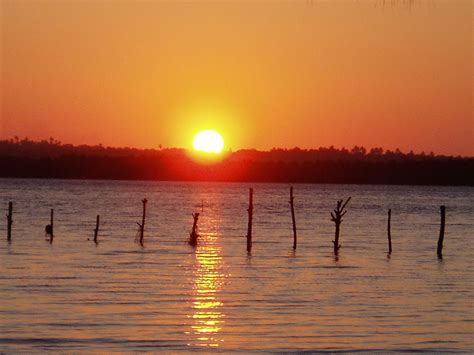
{"x":208,"y":278}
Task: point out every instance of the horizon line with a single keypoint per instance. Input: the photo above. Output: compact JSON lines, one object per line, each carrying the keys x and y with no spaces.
{"x":52,"y":141}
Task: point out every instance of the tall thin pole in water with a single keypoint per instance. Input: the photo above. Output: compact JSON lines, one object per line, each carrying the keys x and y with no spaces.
{"x":9,"y":221}
{"x":142,"y":225}
{"x":96,"y":230}
{"x":389,"y":235}
{"x":52,"y":226}
{"x":249,"y":228}
{"x":441,"y":231}
{"x":293,"y":217}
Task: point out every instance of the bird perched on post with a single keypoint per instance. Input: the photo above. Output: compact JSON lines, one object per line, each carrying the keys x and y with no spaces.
{"x":48,"y":229}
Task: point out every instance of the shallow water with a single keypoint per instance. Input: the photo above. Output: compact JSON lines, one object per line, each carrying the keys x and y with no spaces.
{"x":73,"y":295}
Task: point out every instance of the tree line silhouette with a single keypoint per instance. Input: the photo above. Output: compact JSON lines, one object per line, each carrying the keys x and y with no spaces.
{"x":51,"y":159}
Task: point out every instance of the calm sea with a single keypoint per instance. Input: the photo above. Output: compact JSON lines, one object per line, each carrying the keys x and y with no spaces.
{"x":73,"y":295}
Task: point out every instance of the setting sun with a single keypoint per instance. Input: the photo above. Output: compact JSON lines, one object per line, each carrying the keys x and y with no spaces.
{"x":208,"y":141}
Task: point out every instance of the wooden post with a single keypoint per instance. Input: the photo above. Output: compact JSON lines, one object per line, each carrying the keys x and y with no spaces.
{"x":96,"y":230}
{"x":336,"y":217}
{"x":389,"y":235}
{"x":441,"y":231}
{"x":293,"y":217}
{"x":193,"y":236}
{"x":142,"y":225}
{"x":9,"y":221}
{"x":249,"y":228}
{"x":52,"y":228}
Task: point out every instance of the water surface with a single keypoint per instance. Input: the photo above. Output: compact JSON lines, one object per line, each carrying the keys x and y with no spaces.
{"x":73,"y":295}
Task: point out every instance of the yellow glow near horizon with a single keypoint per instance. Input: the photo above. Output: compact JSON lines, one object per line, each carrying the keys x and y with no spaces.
{"x":208,"y":141}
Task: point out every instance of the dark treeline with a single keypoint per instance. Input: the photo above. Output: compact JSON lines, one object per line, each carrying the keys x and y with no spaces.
{"x":51,"y":159}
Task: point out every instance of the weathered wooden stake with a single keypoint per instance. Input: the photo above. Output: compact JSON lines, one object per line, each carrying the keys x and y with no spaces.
{"x":52,"y":228}
{"x":142,"y":225}
{"x":193,"y":236}
{"x":249,"y":228}
{"x":441,"y":231}
{"x":96,"y":230}
{"x":293,"y":217}
{"x":336,"y":217}
{"x":9,"y":221}
{"x":389,"y":235}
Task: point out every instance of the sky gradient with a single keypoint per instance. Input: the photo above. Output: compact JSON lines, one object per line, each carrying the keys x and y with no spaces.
{"x":263,"y":73}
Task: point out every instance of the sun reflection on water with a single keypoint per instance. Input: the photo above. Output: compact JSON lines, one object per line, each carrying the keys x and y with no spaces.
{"x":208,"y":278}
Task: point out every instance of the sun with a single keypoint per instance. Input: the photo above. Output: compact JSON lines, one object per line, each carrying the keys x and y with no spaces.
{"x":208,"y":141}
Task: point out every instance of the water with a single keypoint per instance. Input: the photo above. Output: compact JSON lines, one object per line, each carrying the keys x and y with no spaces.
{"x":73,"y":295}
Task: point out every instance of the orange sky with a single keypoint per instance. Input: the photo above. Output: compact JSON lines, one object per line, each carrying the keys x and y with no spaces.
{"x":264,"y":73}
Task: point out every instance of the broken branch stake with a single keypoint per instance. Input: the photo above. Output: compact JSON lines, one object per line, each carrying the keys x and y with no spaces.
{"x":193,"y":236}
{"x":336,"y":217}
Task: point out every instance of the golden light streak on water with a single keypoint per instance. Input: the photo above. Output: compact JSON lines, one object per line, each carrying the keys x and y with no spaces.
{"x":207,"y":315}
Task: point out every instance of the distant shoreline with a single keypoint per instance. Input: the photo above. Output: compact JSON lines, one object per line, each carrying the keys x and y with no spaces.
{"x":51,"y":160}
